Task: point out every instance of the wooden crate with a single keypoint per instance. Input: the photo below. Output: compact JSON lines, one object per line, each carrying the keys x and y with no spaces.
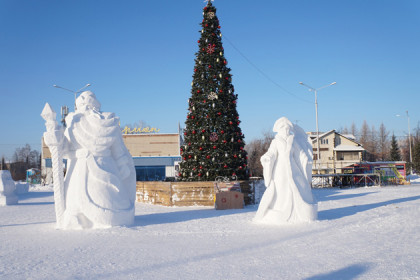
{"x":229,"y":200}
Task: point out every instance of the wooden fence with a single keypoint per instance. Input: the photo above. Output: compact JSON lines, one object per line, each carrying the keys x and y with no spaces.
{"x":186,"y":193}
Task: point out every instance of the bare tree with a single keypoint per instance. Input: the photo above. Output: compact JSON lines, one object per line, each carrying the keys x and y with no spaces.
{"x":353,"y":130}
{"x":256,"y":149}
{"x":383,"y":143}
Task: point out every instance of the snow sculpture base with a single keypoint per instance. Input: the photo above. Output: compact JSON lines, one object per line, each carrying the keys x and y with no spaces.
{"x":7,"y":189}
{"x":287,"y":168}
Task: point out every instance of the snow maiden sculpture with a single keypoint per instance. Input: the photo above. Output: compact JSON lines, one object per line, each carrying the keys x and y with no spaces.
{"x":287,"y":168}
{"x":100,"y":183}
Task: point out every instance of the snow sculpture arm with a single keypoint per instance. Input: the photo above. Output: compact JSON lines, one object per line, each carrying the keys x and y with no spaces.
{"x":267,"y":161}
{"x":122,"y":157}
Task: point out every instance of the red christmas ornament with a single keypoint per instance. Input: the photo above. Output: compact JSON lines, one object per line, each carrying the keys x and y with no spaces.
{"x":215,"y":147}
{"x":195,"y":69}
{"x":189,"y":143}
{"x":233,"y":174}
{"x":234,"y":101}
{"x":239,"y":140}
{"x":189,"y":156}
{"x":194,"y":132}
{"x":192,"y":117}
{"x":185,"y":133}
{"x":204,"y":101}
{"x":224,"y":141}
{"x":225,"y":166}
{"x":185,"y":158}
{"x":199,"y":174}
{"x":218,"y":27}
{"x":240,"y":167}
{"x":222,"y":131}
{"x":207,"y":25}
{"x":199,"y":40}
{"x":209,"y":65}
{"x":235,"y":156}
{"x":219,"y":113}
{"x":201,"y":167}
{"x":230,"y":123}
{"x":225,"y":62}
{"x":198,"y":91}
{"x":220,"y":90}
{"x":208,"y":157}
{"x":201,"y":148}
{"x":203,"y":130}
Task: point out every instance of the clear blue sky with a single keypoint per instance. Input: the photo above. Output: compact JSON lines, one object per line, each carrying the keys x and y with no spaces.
{"x":139,"y":58}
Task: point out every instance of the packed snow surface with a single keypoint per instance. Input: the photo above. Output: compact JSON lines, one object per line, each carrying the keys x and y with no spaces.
{"x":361,"y":233}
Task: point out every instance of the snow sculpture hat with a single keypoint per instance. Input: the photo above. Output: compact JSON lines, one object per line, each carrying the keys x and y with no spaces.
{"x":88,"y":99}
{"x":282,"y":125}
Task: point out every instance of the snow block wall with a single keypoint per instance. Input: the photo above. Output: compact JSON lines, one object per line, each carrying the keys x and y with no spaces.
{"x":7,"y":189}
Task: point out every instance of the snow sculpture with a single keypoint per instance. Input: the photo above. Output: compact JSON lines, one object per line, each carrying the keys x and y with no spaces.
{"x":287,"y":168}
{"x":100,"y":184}
{"x":7,"y":189}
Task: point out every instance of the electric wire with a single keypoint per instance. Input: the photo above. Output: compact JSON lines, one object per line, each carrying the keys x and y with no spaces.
{"x":263,"y":73}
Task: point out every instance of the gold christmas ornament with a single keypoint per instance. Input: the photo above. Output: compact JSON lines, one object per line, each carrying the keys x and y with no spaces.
{"x":212,"y":96}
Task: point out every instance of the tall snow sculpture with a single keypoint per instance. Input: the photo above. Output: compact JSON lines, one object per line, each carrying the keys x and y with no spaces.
{"x":100,"y":183}
{"x":287,"y":174}
{"x":7,"y":189}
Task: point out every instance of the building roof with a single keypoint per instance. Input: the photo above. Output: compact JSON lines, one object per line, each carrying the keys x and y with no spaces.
{"x":349,"y":148}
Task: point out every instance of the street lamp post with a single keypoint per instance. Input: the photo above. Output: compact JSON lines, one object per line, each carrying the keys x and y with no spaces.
{"x":409,"y":143}
{"x":316,"y":117}
{"x":75,"y":92}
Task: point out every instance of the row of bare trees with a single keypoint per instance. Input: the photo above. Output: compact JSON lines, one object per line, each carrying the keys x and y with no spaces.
{"x":23,"y":159}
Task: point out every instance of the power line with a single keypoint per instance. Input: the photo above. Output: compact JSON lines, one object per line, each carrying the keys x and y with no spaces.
{"x":263,"y":73}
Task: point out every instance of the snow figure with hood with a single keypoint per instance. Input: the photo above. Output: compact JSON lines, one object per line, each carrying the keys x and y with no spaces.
{"x":287,"y":168}
{"x":100,"y":182}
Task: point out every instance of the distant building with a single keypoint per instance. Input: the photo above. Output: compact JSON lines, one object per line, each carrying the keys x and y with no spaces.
{"x":337,"y":151}
{"x":156,"y":155}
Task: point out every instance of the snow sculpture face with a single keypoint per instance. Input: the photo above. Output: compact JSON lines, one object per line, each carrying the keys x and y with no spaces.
{"x":87,"y":100}
{"x":283,"y":126}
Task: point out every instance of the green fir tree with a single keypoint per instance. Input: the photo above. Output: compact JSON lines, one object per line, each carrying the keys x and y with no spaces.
{"x":213,"y":141}
{"x":416,"y":157}
{"x":395,"y":154}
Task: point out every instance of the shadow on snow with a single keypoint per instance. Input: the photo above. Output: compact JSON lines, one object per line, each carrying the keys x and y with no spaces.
{"x":337,"y":213}
{"x":346,"y":273}
{"x":187,"y":215}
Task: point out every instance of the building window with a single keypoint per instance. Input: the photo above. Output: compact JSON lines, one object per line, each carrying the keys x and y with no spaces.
{"x":150,"y":173}
{"x":347,"y":156}
{"x":324,"y":141}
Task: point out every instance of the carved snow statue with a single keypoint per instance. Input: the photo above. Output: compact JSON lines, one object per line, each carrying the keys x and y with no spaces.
{"x":100,"y":183}
{"x":287,"y":168}
{"x":7,"y":189}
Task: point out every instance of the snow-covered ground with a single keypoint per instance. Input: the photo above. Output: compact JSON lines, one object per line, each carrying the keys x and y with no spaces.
{"x":362,"y":233}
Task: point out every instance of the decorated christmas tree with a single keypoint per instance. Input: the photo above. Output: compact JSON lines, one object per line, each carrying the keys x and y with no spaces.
{"x":213,"y":141}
